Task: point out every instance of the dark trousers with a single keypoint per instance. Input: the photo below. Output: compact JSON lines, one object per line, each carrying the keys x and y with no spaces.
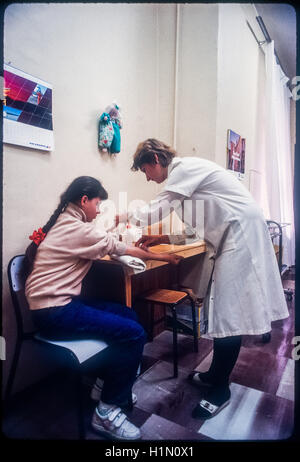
{"x":225,"y":354}
{"x":112,"y":322}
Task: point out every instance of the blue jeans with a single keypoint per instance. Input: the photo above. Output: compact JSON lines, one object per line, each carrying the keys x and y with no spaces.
{"x":114,"y":323}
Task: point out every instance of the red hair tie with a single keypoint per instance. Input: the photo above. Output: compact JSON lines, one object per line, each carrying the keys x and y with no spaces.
{"x":38,"y":236}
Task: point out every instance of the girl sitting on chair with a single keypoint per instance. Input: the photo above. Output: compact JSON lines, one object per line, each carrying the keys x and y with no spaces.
{"x":58,"y":259}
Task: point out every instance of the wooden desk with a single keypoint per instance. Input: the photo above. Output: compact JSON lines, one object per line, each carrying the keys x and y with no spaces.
{"x":134,"y":283}
{"x":108,"y":279}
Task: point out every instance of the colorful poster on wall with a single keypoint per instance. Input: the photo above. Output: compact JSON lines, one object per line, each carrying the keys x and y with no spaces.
{"x":27,"y":110}
{"x":236,"y":154}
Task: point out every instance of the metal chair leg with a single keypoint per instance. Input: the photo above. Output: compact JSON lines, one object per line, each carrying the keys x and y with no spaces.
{"x":80,"y":408}
{"x":151,"y":322}
{"x":175,"y":349}
{"x":194,"y":325}
{"x":12,"y":372}
{"x":266,"y":337}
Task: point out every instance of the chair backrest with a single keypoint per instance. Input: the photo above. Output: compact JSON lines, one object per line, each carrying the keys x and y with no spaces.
{"x":276,"y":232}
{"x":16,"y":278}
{"x":82,"y":349}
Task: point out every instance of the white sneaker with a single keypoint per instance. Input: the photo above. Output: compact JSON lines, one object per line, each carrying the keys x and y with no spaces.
{"x":97,"y":390}
{"x":113,"y":423}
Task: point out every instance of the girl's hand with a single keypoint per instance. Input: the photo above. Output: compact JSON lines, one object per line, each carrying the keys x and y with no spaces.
{"x":174,"y":259}
{"x":148,"y":255}
{"x":121,"y":219}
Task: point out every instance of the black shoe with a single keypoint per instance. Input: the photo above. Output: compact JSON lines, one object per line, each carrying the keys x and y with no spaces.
{"x":216,"y":400}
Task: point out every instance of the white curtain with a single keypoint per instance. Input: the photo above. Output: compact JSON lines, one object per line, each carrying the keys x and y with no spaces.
{"x":278,"y":155}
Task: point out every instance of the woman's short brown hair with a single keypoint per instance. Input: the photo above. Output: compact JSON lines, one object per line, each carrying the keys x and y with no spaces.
{"x":146,"y":150}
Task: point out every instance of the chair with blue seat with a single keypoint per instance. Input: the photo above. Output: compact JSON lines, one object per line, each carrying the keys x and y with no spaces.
{"x":75,"y":354}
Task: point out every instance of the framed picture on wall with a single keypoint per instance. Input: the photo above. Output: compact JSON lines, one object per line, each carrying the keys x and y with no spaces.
{"x":236,"y":153}
{"x":27,"y":110}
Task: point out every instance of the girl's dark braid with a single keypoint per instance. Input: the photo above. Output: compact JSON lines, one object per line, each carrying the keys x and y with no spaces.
{"x":61,"y":208}
{"x":32,"y":248}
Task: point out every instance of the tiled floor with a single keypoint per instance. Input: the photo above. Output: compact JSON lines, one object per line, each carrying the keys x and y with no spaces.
{"x":261,"y":407}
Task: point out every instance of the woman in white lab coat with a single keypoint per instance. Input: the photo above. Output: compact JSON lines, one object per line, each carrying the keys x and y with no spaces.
{"x":239,"y":279}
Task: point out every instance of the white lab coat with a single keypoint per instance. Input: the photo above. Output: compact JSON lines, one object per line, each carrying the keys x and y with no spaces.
{"x":239,"y":276}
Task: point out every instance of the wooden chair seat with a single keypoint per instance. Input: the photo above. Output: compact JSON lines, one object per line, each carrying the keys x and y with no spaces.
{"x":165,"y":296}
{"x":171,"y":298}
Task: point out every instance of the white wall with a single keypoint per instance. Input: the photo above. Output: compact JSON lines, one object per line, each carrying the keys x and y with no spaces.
{"x":238,"y":73}
{"x":197,"y":80}
{"x":241,"y":95}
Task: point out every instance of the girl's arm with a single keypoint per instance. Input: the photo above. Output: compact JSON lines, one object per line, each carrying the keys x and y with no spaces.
{"x":148,"y":255}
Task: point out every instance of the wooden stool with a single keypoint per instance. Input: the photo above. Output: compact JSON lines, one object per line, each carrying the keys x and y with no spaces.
{"x":171,"y":298}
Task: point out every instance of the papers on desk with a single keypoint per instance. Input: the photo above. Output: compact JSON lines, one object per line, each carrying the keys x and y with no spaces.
{"x":137,"y":264}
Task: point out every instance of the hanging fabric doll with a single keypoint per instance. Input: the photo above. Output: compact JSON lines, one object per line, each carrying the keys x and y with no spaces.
{"x":114,"y":112}
{"x":106,"y":132}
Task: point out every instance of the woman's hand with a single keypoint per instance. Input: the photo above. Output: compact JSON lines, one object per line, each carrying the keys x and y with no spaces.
{"x":147,"y":241}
